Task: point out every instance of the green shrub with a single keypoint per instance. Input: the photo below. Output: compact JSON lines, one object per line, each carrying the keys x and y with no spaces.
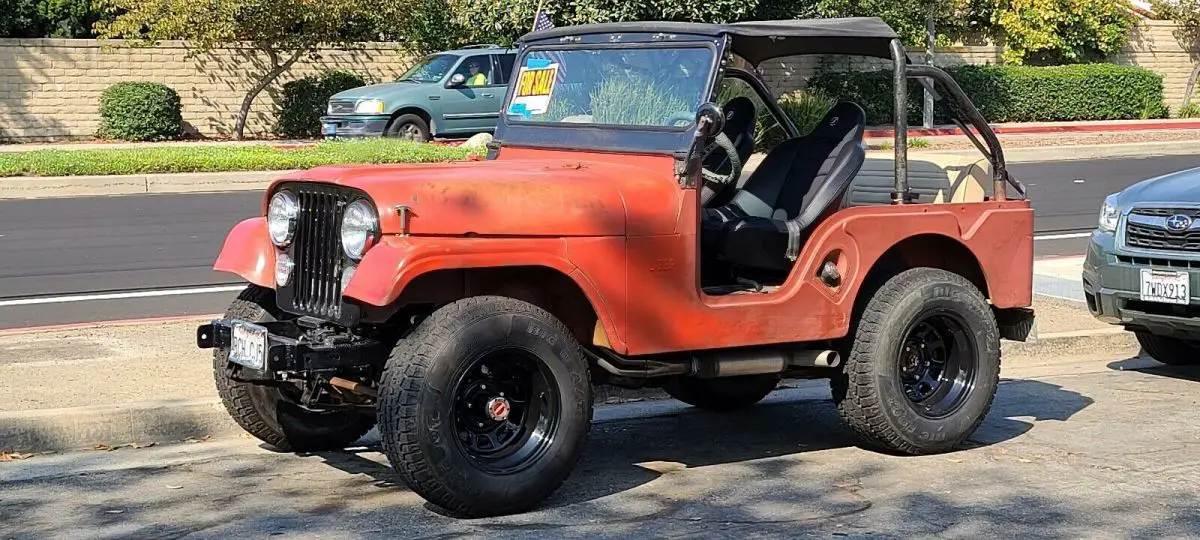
{"x":305,"y":100}
{"x":1192,"y":110}
{"x":1015,"y":93}
{"x":140,"y":111}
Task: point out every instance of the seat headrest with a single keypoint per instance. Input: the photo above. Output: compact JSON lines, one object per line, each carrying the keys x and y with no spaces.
{"x":740,"y":115}
{"x":842,"y":119}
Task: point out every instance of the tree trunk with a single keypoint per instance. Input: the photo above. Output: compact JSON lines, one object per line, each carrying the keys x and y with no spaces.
{"x":264,"y":81}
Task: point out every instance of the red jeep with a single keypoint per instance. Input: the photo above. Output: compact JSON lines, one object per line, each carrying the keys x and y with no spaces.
{"x":610,"y":238}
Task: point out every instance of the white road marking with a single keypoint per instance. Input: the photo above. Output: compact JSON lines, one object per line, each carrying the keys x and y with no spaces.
{"x":1063,"y":236}
{"x":119,"y":295}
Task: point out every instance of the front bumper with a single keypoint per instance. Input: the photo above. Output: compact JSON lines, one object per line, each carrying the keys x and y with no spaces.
{"x":1112,"y":289}
{"x":356,"y":125}
{"x":295,"y":349}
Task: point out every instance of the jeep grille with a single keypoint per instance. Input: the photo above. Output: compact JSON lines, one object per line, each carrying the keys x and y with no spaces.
{"x":315,"y":288}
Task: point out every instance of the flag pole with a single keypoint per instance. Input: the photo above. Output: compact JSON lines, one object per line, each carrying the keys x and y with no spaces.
{"x":535,"y":16}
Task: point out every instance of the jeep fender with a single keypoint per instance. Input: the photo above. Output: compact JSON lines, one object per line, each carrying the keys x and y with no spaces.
{"x":249,"y":253}
{"x":394,"y":263}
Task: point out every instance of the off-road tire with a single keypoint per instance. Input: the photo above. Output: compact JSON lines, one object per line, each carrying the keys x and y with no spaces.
{"x":868,"y":391}
{"x":724,"y":394}
{"x":1168,"y":350}
{"x":415,"y":422}
{"x":397,"y":128}
{"x":268,"y":415}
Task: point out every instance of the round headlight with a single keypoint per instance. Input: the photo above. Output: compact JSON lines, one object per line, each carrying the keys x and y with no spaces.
{"x":283,"y":269}
{"x":281,"y":217}
{"x":360,"y":228}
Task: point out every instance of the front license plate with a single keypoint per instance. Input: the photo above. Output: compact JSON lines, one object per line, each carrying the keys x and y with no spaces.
{"x":1166,"y":287}
{"x":329,"y":129}
{"x":248,"y":345}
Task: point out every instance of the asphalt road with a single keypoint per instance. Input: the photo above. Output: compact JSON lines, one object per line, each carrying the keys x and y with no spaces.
{"x":52,"y":250}
{"x":1066,"y":452}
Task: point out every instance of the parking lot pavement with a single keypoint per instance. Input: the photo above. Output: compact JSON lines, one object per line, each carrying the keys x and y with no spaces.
{"x":1076,"y":446}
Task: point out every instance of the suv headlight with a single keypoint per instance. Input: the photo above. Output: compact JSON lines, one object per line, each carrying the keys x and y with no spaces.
{"x":281,"y":217}
{"x":369,"y":106}
{"x":360,"y":229}
{"x":1110,"y":214}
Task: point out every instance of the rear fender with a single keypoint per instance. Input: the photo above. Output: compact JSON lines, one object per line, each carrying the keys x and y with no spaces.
{"x":249,"y":253}
{"x":394,"y":263}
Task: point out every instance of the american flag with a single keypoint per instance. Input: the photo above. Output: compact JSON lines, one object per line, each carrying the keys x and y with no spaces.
{"x":542,"y":22}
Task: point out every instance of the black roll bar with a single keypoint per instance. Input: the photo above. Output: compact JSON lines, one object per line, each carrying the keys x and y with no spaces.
{"x":900,"y":193}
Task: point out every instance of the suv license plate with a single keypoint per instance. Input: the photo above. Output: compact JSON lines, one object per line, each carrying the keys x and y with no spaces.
{"x":248,"y":345}
{"x":1166,"y":287}
{"x":329,"y":129}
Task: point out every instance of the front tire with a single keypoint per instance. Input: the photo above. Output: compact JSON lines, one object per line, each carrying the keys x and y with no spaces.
{"x":264,"y":411}
{"x":724,"y":394}
{"x":485,"y":407}
{"x":409,"y":127}
{"x":924,"y":365}
{"x":1169,"y":351}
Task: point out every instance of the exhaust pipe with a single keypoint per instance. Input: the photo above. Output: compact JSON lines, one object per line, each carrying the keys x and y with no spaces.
{"x":760,"y":362}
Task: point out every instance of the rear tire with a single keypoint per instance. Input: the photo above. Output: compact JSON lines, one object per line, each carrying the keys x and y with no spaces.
{"x":924,"y":365}
{"x":264,"y":412}
{"x":724,"y":394}
{"x":409,"y":127}
{"x":1170,"y":351}
{"x":485,"y":407}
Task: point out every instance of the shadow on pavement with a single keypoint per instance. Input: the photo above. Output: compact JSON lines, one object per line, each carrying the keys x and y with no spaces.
{"x":1149,"y":366}
{"x":622,"y":456}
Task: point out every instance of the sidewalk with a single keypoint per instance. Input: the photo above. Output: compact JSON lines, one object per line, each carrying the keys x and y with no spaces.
{"x":1031,"y":128}
{"x":72,"y":388}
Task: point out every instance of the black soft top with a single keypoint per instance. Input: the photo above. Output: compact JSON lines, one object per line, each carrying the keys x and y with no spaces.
{"x":757,"y":41}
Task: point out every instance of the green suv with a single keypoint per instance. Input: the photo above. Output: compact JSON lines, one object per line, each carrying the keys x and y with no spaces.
{"x":451,"y":93}
{"x":1142,"y":269}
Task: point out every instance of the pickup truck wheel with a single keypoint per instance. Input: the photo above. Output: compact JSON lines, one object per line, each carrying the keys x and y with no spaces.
{"x":409,"y":127}
{"x":485,"y":407}
{"x":724,"y":394}
{"x":924,"y":365}
{"x":264,"y":411}
{"x":1170,"y":351}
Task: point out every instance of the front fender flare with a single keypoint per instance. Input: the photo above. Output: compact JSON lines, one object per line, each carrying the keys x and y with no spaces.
{"x":249,"y":253}
{"x":394,"y":263}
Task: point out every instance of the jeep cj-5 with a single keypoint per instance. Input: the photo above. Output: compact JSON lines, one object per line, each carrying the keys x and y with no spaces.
{"x":610,"y":237}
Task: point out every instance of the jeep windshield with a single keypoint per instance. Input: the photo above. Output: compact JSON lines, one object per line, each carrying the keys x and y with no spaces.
{"x":611,"y":86}
{"x":429,"y":69}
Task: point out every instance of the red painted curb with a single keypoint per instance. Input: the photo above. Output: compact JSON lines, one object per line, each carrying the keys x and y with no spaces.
{"x":1033,"y":130}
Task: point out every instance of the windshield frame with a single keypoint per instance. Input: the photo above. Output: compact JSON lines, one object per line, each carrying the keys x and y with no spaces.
{"x":457,"y":58}
{"x":606,"y":137}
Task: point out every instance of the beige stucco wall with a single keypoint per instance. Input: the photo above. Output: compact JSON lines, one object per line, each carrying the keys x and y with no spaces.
{"x":50,"y":88}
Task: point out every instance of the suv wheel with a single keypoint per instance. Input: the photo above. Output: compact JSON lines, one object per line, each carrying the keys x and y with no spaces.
{"x":264,"y":411}
{"x":1170,"y":351}
{"x":721,"y":395}
{"x":924,"y":364}
{"x":485,"y":407}
{"x":409,"y":127}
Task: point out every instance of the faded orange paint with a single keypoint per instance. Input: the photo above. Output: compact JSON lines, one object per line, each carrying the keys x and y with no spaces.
{"x":625,"y":232}
{"x":249,"y":253}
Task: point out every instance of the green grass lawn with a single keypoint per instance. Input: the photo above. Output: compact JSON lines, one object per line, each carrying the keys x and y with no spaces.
{"x":183,"y":159}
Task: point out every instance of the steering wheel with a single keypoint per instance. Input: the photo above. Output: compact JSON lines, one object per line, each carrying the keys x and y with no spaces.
{"x":674,"y":119}
{"x":715,"y":183}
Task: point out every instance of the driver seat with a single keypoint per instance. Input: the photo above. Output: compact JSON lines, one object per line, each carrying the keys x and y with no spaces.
{"x":741,"y":124}
{"x":801,"y":181}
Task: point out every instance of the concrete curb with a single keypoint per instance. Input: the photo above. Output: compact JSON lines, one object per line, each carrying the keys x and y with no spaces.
{"x":1043,"y":128}
{"x":164,"y":422}
{"x":38,"y":187}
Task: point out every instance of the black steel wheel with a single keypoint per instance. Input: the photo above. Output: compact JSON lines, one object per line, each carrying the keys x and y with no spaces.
{"x":923,"y":366}
{"x":937,"y":363}
{"x":505,"y":410}
{"x":485,"y":407}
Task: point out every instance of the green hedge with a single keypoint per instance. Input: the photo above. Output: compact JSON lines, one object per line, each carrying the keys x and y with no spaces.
{"x":140,"y":111}
{"x":1016,"y":93}
{"x":305,"y":100}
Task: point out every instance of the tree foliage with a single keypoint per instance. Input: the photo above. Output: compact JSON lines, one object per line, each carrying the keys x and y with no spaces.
{"x":1064,"y":31}
{"x":283,"y":30}
{"x":48,"y":18}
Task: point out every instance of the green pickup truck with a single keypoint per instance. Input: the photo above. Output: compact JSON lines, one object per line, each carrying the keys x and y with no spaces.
{"x":451,"y":93}
{"x":1142,"y":269}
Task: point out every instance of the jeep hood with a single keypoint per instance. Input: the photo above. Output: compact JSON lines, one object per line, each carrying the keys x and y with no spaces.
{"x":1178,"y":187}
{"x":504,"y":197}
